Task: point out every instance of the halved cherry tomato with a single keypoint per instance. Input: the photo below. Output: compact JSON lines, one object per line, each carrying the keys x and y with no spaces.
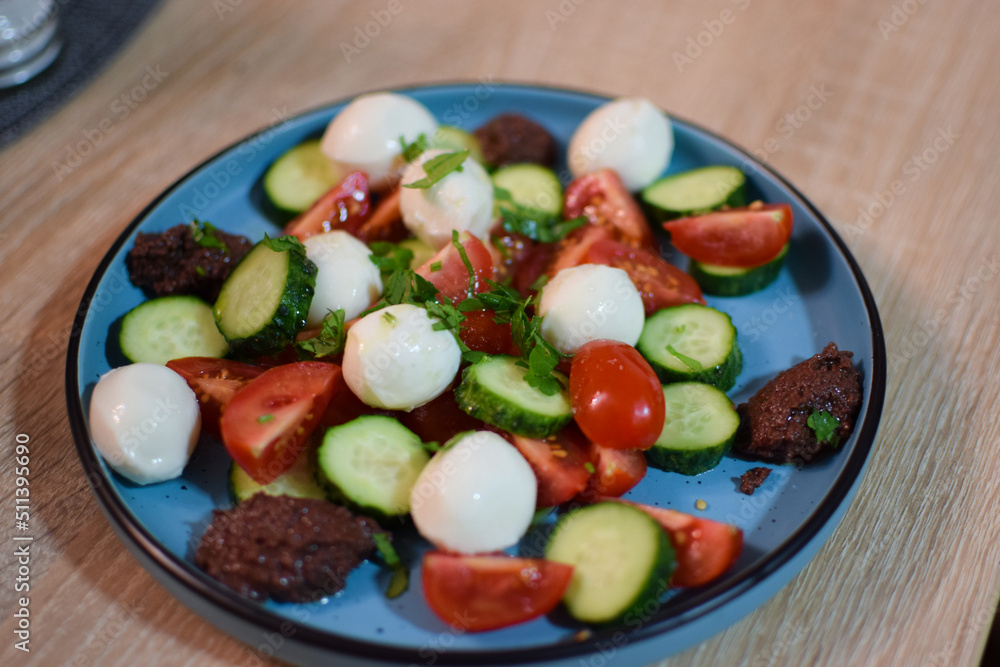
{"x":482,"y":334}
{"x":439,"y":420}
{"x":452,"y":277}
{"x":660,"y":283}
{"x":559,"y":462}
{"x":616,"y":472}
{"x":344,"y":206}
{"x":603,"y":199}
{"x":386,"y":221}
{"x":616,"y":396}
{"x":477,"y":593}
{"x":745,"y":237}
{"x":510,"y":250}
{"x":214,"y":382}
{"x":267,"y":422}
{"x":704,"y":549}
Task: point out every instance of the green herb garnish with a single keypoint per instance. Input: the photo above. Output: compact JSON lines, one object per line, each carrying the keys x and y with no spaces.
{"x":412,"y":151}
{"x":438,"y":167}
{"x":692,"y":364}
{"x":531,"y":222}
{"x":824,"y":425}
{"x":206,"y":235}
{"x":435,"y":267}
{"x":389,"y":257}
{"x":400,"y":574}
{"x":283,"y":243}
{"x":330,"y":340}
{"x":263,"y":419}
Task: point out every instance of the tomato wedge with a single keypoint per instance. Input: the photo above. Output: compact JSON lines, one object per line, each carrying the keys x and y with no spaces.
{"x":482,"y":334}
{"x":477,"y":593}
{"x":660,"y":283}
{"x":604,"y":200}
{"x":344,"y":206}
{"x":214,"y":382}
{"x":440,"y":419}
{"x":560,"y":464}
{"x":386,"y":221}
{"x":743,"y":237}
{"x":616,"y":396}
{"x":267,"y":422}
{"x":704,"y":549}
{"x":616,"y":472}
{"x":448,"y":272}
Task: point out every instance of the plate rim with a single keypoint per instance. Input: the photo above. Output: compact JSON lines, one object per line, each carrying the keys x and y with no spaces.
{"x":677,"y":615}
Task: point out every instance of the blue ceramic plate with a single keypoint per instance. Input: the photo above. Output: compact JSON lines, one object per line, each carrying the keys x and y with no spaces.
{"x":820,"y":296}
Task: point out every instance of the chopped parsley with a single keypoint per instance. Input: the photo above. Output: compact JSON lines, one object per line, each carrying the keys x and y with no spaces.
{"x":412,"y":151}
{"x":824,"y":425}
{"x":400,"y":580}
{"x":389,"y":257}
{"x":438,"y":167}
{"x":206,"y":235}
{"x":692,"y":364}
{"x":329,"y":341}
{"x":283,"y":243}
{"x":536,"y":225}
{"x":263,"y":419}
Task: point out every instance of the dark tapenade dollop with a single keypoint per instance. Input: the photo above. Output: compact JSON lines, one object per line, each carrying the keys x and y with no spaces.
{"x":511,"y":138}
{"x":773,"y":423}
{"x":173,"y":262}
{"x":288,"y":549}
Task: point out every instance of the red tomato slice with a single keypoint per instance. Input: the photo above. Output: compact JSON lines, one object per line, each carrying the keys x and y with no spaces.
{"x":482,"y":334}
{"x":744,"y":237}
{"x":603,"y":199}
{"x":452,"y":277}
{"x":560,"y":464}
{"x":440,"y":419}
{"x":705,"y":549}
{"x":616,"y":472}
{"x":660,"y":283}
{"x":616,"y":396}
{"x":267,"y":422}
{"x":386,"y":221}
{"x":344,"y":206}
{"x":214,"y":382}
{"x":477,"y":593}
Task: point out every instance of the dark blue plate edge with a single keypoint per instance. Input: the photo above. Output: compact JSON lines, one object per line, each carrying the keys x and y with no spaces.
{"x":670,"y":618}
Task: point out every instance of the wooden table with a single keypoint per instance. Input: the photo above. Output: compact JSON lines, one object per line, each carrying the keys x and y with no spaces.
{"x":886,"y":114}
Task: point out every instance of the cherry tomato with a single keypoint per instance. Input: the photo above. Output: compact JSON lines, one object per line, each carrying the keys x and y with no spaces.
{"x":744,"y":237}
{"x":616,"y":397}
{"x":660,"y":283}
{"x":510,"y":251}
{"x":267,"y":422}
{"x":386,"y":221}
{"x":451,"y":276}
{"x":704,"y":549}
{"x":344,"y":206}
{"x":477,"y":593}
{"x":560,"y":463}
{"x":214,"y":382}
{"x":603,"y":199}
{"x":616,"y":472}
{"x":482,"y":334}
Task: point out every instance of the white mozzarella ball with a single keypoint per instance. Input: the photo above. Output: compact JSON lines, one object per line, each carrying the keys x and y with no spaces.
{"x":590,"y":302}
{"x":345,"y":278}
{"x":145,"y":421}
{"x":475,"y":496}
{"x":462,"y":200}
{"x":629,"y":135}
{"x":365,"y":134}
{"x":394,"y":358}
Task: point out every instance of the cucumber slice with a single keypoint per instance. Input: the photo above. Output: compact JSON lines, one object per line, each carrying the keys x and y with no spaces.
{"x":265,"y":300}
{"x":299,"y":177}
{"x":171,"y":327}
{"x":456,"y":139}
{"x":695,"y":191}
{"x":621,"y":558}
{"x":734,"y":281}
{"x":299,"y":481}
{"x":531,"y":186}
{"x":692,"y":342}
{"x":698,"y":430}
{"x":372,"y":462}
{"x":495,"y":391}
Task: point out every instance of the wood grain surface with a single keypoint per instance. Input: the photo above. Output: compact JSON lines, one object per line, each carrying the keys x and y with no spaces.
{"x":885,"y":113}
